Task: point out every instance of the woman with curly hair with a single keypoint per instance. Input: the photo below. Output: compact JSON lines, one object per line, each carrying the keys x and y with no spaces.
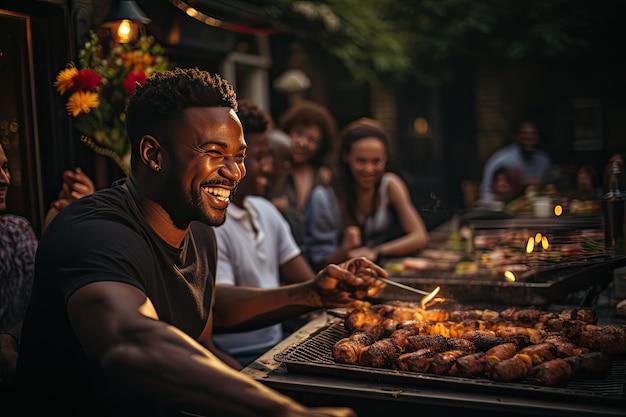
{"x":311,"y":128}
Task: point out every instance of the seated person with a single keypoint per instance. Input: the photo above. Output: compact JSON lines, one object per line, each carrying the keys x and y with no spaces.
{"x":124,"y":305}
{"x":506,"y":186}
{"x":522,"y":158}
{"x":18,"y":244}
{"x":358,"y":213}
{"x":255,"y":244}
{"x":311,"y":128}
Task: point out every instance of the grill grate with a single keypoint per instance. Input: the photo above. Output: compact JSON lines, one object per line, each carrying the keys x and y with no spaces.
{"x":313,"y":356}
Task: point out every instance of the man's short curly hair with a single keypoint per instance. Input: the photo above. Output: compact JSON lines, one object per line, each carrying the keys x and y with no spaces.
{"x":308,"y":113}
{"x":167,"y":93}
{"x":253,"y":119}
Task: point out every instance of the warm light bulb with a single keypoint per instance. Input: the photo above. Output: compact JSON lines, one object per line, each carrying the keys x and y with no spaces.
{"x":558,"y":210}
{"x":124,"y":31}
{"x":530,"y":246}
{"x":510,"y":276}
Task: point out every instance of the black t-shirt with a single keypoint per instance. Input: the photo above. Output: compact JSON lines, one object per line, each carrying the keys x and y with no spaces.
{"x":103,"y":237}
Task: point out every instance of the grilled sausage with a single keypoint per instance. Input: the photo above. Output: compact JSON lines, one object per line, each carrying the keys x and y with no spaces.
{"x":349,"y":349}
{"x":501,"y":352}
{"x":421,"y":341}
{"x":590,"y":364}
{"x":553,"y":372}
{"x":542,"y":352}
{"x":380,"y":354}
{"x":442,"y":362}
{"x":511,"y":369}
{"x":470,"y":365}
{"x":418,"y":361}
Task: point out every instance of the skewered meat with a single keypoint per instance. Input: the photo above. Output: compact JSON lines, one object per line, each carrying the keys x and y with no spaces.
{"x":525,"y":317}
{"x":590,"y":364}
{"x":380,"y":354}
{"x":501,"y":352}
{"x":511,"y":369}
{"x":348,"y":350}
{"x":471,"y":365}
{"x":442,"y":361}
{"x":610,"y":340}
{"x":364,"y":319}
{"x":464,"y":345}
{"x":460,"y":315}
{"x":519,"y":341}
{"x":400,"y":336}
{"x":418,"y":361}
{"x":553,"y":372}
{"x":540,"y":353}
{"x":536,"y":336}
{"x":504,"y":347}
{"x":564,"y":348}
{"x":421,"y":341}
{"x":483,"y":340}
{"x":584,"y":314}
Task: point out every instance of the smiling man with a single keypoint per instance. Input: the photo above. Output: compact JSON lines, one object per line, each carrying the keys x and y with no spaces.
{"x":122,"y":311}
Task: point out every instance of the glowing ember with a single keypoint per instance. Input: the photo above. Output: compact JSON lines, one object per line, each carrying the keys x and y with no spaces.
{"x":544,"y":243}
{"x":538,"y":237}
{"x":510,"y":276}
{"x":530,"y":246}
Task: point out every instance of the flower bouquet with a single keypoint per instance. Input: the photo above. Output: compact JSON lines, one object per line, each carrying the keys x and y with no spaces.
{"x":97,"y":91}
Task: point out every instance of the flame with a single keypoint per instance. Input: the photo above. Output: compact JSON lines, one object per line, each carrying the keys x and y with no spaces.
{"x":427,"y":298}
{"x":544,"y":243}
{"x":538,"y":237}
{"x":510,"y":276}
{"x":530,"y":246}
{"x":558,"y":210}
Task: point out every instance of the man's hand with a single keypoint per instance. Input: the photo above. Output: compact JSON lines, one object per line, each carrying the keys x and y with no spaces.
{"x":346,"y":284}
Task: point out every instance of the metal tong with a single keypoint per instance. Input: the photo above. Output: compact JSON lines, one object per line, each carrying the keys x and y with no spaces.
{"x":427,"y":296}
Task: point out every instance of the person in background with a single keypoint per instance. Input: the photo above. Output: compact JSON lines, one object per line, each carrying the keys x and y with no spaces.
{"x":18,"y":244}
{"x":312,"y":129}
{"x":280,"y":147}
{"x":124,"y":303}
{"x":522,"y":158}
{"x":366,"y":204}
{"x":506,"y":185}
{"x":76,"y":184}
{"x":255,"y":247}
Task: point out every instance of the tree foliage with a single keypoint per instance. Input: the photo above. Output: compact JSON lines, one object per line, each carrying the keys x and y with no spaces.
{"x":386,"y":41}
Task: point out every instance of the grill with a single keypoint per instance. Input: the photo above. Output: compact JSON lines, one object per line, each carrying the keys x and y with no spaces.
{"x":573,"y":270}
{"x":313,"y":357}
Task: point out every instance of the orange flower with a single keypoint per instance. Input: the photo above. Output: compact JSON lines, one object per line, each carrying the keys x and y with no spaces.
{"x":65,"y":80}
{"x":82,"y":102}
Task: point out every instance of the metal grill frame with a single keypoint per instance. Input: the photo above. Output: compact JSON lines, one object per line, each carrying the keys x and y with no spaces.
{"x":313,"y":356}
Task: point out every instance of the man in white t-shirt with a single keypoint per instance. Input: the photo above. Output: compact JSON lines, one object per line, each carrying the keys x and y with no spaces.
{"x":255,"y":245}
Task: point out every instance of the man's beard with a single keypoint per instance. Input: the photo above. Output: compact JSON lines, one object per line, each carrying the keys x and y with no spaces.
{"x":200,"y":212}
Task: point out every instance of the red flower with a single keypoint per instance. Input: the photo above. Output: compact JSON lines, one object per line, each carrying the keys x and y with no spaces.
{"x":86,"y":80}
{"x":131,"y":81}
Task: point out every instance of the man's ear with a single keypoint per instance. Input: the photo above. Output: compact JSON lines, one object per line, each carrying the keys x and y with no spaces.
{"x":150,"y":152}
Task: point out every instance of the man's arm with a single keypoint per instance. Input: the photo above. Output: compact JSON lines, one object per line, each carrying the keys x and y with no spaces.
{"x":120,"y":330}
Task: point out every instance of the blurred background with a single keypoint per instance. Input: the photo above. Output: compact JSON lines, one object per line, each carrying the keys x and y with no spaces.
{"x":448,"y":79}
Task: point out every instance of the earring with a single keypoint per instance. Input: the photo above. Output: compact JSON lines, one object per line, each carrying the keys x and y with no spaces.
{"x":156,"y":167}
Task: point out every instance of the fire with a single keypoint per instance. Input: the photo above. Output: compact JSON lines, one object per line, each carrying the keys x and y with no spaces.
{"x":510,"y":276}
{"x":431,"y":297}
{"x":530,"y":246}
{"x":544,"y":243}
